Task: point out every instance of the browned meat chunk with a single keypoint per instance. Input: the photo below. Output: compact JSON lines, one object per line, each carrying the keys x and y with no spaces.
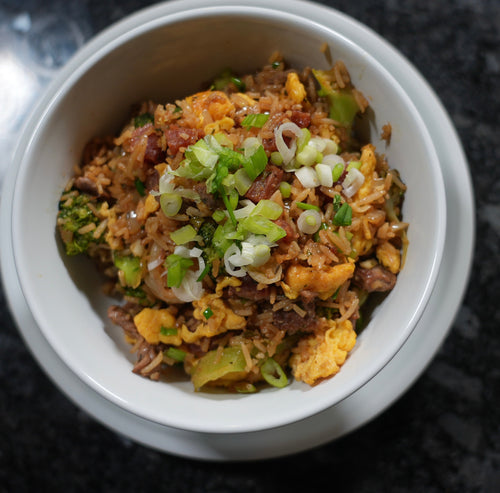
{"x":377,"y":278}
{"x":154,"y":153}
{"x":291,"y":322}
{"x":301,"y":118}
{"x":290,"y":233}
{"x":86,"y":185}
{"x":180,"y":137}
{"x":120,"y":316}
{"x":266,"y":184}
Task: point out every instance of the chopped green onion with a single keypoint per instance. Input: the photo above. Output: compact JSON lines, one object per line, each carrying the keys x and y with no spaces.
{"x":304,"y":139}
{"x":218,"y":216}
{"x":255,"y":120}
{"x":258,"y":161}
{"x":275,"y":65}
{"x":229,"y":208}
{"x":176,"y":354}
{"x":262,"y":226}
{"x":183,"y":235}
{"x":143,"y":119}
{"x":242,"y":181}
{"x":267,"y":208}
{"x":207,"y":313}
{"x":139,"y":186}
{"x":285,"y":189}
{"x":177,"y":267}
{"x":304,"y":206}
{"x":273,"y":374}
{"x":337,"y":171}
{"x":168,"y":331}
{"x":354,"y":164}
{"x":170,"y":203}
{"x":204,"y":272}
{"x":276,"y":158}
{"x":343,"y":217}
{"x":307,"y":156}
{"x":240,"y":85}
{"x":337,"y":202}
{"x":131,"y":268}
{"x":261,"y":254}
{"x":309,"y":222}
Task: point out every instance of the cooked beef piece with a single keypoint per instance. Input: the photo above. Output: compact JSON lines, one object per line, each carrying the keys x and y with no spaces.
{"x":146,"y":353}
{"x":377,"y":278}
{"x":292,"y":322}
{"x":207,"y":198}
{"x":265,"y":184}
{"x":120,"y":316}
{"x":86,"y":185}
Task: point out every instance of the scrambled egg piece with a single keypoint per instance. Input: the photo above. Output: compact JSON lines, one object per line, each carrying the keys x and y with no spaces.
{"x":389,"y":256}
{"x":212,"y":106}
{"x":150,"y":322}
{"x":321,"y":355}
{"x":368,"y":163}
{"x":324,"y":282}
{"x":295,"y":88}
{"x":222,"y":318}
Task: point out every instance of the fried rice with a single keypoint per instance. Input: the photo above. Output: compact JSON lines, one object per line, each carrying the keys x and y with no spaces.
{"x":243,"y":227}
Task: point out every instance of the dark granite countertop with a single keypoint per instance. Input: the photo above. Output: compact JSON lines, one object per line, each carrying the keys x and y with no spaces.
{"x":442,"y":435}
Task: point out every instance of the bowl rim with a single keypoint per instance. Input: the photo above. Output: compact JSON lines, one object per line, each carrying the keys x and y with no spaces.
{"x":138,"y":24}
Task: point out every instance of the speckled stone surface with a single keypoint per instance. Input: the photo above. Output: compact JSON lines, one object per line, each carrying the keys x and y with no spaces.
{"x":441,"y":435}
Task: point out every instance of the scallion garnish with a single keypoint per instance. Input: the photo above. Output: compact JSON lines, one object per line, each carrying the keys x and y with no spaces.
{"x":207,"y":313}
{"x":343,"y":217}
{"x":306,"y":207}
{"x":256,"y":164}
{"x":337,"y":202}
{"x":176,"y":354}
{"x":273,"y":374}
{"x":139,"y":186}
{"x":177,"y":267}
{"x":143,"y":119}
{"x":183,"y":235}
{"x":168,"y":331}
{"x":256,"y":120}
{"x":285,"y":189}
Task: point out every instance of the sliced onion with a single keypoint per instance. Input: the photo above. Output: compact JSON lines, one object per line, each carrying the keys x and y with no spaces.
{"x":352,"y":182}
{"x":307,"y":177}
{"x":260,"y":277}
{"x":190,"y":289}
{"x":324,"y":173}
{"x":309,"y":222}
{"x":288,"y":153}
{"x":155,"y":263}
{"x":332,"y":160}
{"x":233,"y":250}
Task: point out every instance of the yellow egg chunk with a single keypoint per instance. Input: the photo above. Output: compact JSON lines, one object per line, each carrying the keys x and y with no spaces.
{"x":321,"y":356}
{"x":149,"y":323}
{"x":325,"y":281}
{"x":221,"y":320}
{"x":294,"y":88}
{"x":368,"y":162}
{"x":389,"y":256}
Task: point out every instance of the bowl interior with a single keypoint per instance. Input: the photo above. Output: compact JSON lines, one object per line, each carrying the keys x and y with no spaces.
{"x":167,"y":58}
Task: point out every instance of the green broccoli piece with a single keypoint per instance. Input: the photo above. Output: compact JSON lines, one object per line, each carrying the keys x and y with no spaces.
{"x":75,"y":214}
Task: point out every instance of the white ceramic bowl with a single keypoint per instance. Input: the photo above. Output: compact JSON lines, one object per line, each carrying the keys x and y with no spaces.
{"x":170,"y":57}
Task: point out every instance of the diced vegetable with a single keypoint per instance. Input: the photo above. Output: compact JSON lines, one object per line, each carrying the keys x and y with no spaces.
{"x":255,"y":120}
{"x":176,"y":354}
{"x":143,"y":119}
{"x":343,"y":217}
{"x":309,"y":222}
{"x":131,"y":268}
{"x":177,"y":267}
{"x":214,"y":366}
{"x":273,"y":374}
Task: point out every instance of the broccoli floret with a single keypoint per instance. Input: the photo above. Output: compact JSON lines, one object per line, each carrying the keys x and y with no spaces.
{"x":74,"y":216}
